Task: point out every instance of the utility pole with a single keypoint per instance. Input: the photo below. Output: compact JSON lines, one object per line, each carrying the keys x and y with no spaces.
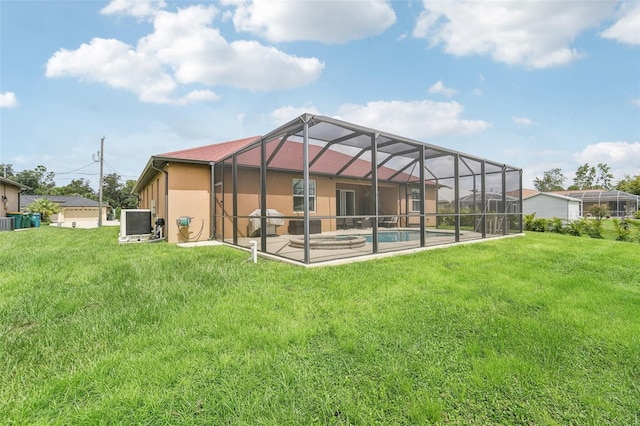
{"x":100,"y":187}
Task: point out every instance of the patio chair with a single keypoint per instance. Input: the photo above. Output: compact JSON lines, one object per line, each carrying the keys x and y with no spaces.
{"x":348,"y":223}
{"x":363,"y":223}
{"x":389,"y":222}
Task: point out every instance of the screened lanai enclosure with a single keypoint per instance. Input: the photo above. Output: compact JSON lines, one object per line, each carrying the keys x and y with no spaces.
{"x":319,"y":189}
{"x":619,"y":203}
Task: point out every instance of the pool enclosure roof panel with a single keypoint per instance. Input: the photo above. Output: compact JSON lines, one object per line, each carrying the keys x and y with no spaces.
{"x":395,"y":151}
{"x":597,"y":195}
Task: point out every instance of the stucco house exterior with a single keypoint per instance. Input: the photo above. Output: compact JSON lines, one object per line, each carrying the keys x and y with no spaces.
{"x":318,"y":176}
{"x":10,"y":198}
{"x":548,"y":205}
{"x":81,"y":211}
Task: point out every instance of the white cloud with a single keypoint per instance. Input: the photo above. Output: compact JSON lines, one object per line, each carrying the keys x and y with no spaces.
{"x":477,"y":92}
{"x":184,"y":48}
{"x":416,"y":119}
{"x":636,"y":102}
{"x":8,"y":100}
{"x":627,"y":28}
{"x":534,"y":34}
{"x":285,"y":114}
{"x":336,"y":21}
{"x":622,"y":157}
{"x":611,"y":153}
{"x":135,"y":8}
{"x":439,"y":87}
{"x":198,"y":96}
{"x":115,"y":63}
{"x":522,"y":120}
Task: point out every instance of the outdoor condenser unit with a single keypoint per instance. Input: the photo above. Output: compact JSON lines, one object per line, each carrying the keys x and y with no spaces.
{"x":135,"y":222}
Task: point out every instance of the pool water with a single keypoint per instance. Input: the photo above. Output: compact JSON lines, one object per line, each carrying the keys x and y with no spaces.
{"x":404,"y":235}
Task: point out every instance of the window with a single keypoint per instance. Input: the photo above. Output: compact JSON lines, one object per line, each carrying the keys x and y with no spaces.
{"x":415,"y":200}
{"x":298,"y":196}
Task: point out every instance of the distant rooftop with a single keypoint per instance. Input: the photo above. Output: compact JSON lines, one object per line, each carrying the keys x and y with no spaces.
{"x":62,"y":200}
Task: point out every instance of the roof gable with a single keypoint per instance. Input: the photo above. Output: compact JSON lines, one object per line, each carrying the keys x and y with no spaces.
{"x":13,"y":183}
{"x":553,"y":195}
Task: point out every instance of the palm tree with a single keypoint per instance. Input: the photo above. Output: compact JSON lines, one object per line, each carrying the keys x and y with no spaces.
{"x":43,"y":206}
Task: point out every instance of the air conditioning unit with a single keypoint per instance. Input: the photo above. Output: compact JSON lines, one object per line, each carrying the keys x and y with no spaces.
{"x":135,"y":224}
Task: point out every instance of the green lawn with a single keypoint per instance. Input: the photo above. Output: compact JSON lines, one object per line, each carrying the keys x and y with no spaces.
{"x":543,"y":329}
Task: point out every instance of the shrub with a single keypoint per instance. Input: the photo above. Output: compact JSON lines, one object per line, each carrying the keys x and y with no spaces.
{"x":557,"y":225}
{"x":599,"y":211}
{"x":623,"y":230}
{"x":528,"y":221}
{"x":635,"y":224}
{"x":575,"y":227}
{"x":594,"y":228}
{"x":540,"y":225}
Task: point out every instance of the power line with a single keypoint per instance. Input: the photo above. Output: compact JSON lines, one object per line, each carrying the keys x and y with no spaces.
{"x":73,"y":171}
{"x":111,"y":167}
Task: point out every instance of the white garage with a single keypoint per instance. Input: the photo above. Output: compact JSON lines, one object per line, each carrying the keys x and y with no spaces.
{"x":547,"y":206}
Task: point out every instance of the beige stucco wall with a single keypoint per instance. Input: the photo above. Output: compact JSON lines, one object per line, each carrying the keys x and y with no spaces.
{"x":279,"y":197}
{"x":11,"y":204}
{"x":190,"y":195}
{"x":153,"y":197}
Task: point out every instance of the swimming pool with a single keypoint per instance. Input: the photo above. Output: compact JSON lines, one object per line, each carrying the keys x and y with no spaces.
{"x":403,"y":235}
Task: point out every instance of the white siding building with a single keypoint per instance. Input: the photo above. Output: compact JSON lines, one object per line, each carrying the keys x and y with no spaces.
{"x":547,"y":206}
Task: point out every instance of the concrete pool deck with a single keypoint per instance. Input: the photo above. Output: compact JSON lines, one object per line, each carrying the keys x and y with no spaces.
{"x":279,"y":247}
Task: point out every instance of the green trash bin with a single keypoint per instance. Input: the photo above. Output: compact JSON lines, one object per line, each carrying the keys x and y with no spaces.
{"x":17,"y":220}
{"x":35,"y":220}
{"x":26,"y":220}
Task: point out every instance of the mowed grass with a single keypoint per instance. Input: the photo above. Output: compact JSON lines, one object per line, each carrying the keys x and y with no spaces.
{"x":542,"y":329}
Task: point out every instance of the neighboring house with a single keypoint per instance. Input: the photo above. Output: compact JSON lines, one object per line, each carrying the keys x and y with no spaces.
{"x":10,"y":198}
{"x":73,"y":209}
{"x":619,"y":203}
{"x":548,"y":205}
{"x":355,"y":177}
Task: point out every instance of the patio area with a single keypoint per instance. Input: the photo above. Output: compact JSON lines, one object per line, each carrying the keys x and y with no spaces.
{"x":333,"y":183}
{"x":390,"y":242}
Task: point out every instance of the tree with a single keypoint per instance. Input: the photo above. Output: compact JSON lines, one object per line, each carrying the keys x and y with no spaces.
{"x":629,"y":184}
{"x":585,"y":177}
{"x":589,"y":177}
{"x":117,"y":194}
{"x":604,"y":179}
{"x":129,"y":200}
{"x":552,"y":180}
{"x":45,"y":207}
{"x":38,"y":179}
{"x":6,"y":170}
{"x":77,"y":187}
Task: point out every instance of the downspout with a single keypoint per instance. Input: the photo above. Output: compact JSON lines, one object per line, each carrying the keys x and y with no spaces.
{"x":166,"y":193}
{"x":212,"y":202}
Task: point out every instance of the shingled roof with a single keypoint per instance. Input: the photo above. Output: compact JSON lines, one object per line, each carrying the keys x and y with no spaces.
{"x":329,"y":163}
{"x":13,"y":183}
{"x":208,"y":153}
{"x":62,"y":200}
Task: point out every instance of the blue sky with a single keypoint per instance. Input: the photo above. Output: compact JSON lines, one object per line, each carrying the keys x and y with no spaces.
{"x":533,"y":84}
